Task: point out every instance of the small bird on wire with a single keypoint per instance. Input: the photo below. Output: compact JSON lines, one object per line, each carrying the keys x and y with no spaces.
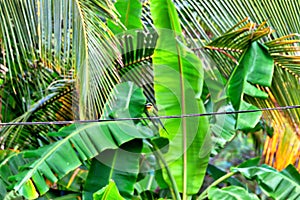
{"x":151,"y":112}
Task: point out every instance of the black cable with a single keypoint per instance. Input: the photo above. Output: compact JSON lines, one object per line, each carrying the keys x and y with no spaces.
{"x":145,"y":118}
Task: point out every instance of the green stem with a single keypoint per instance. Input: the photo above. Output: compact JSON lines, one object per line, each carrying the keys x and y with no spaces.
{"x":158,"y":154}
{"x":150,"y":181}
{"x":203,"y":195}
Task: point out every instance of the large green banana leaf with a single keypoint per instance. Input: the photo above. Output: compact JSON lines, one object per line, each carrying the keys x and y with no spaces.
{"x":115,"y":164}
{"x":120,"y":165}
{"x":82,"y":142}
{"x":207,"y":20}
{"x":278,"y":185}
{"x":178,"y":79}
{"x":88,"y":140}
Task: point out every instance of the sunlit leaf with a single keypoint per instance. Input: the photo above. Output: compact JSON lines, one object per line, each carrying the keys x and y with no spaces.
{"x":230,"y":193}
{"x":110,"y":192}
{"x":178,"y":79}
{"x":130,"y":11}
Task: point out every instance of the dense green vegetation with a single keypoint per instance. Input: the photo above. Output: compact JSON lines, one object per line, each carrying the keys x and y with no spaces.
{"x":91,"y":65}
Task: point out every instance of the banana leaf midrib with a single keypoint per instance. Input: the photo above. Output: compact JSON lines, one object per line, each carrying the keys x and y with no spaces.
{"x":50,"y":152}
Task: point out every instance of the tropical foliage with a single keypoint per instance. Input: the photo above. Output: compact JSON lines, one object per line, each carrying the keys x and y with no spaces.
{"x":88,"y":67}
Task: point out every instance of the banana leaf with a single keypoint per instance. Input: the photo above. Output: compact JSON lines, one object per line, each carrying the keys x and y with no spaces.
{"x":120,"y":165}
{"x":230,"y":193}
{"x":275,"y":184}
{"x":73,"y":181}
{"x":128,"y":101}
{"x":256,"y":66}
{"x":178,"y":80}
{"x":10,"y":160}
{"x":109,"y":192}
{"x":82,"y":142}
{"x":130,"y":16}
{"x":53,"y":163}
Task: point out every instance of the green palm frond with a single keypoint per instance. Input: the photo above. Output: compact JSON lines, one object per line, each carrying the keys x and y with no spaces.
{"x":146,"y":15}
{"x":61,"y":35}
{"x":218,"y":17}
{"x":56,"y":105}
{"x":137,"y":49}
{"x":47,"y":42}
{"x":95,"y":70}
{"x":136,"y":42}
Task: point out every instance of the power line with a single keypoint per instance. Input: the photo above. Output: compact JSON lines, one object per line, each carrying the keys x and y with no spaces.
{"x":145,"y":118}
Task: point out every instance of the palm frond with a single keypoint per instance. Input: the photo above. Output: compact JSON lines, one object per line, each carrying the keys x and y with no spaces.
{"x":56,"y":105}
{"x":284,"y":147}
{"x":95,"y":70}
{"x":137,"y":49}
{"x":61,"y":35}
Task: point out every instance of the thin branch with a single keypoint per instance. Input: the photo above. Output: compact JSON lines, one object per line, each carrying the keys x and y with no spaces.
{"x":221,"y":179}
